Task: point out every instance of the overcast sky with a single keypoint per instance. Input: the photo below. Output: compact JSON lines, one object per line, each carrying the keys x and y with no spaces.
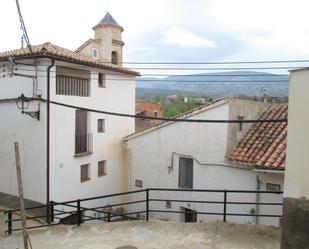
{"x":170,"y":30}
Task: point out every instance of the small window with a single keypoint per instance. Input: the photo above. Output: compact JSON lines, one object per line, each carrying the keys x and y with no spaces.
{"x":185,"y":172}
{"x":102,"y":168}
{"x":273,"y":187}
{"x":95,"y":53}
{"x":101,"y":80}
{"x":240,"y":118}
{"x":114,"y":58}
{"x":85,"y":172}
{"x":101,"y":125}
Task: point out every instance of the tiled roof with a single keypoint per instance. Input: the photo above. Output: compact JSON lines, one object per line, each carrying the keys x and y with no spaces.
{"x":50,"y":50}
{"x":264,"y":145}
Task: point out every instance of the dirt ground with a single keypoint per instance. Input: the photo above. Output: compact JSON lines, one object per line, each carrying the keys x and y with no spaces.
{"x":152,"y":234}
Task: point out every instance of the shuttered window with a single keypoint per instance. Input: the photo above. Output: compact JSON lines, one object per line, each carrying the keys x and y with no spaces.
{"x":185,"y":172}
{"x":101,"y":80}
{"x":102,"y":168}
{"x":73,"y":86}
{"x":101,"y":125}
{"x":84,"y":172}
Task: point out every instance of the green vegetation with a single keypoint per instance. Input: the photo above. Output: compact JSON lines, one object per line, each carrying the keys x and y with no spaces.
{"x":175,"y":105}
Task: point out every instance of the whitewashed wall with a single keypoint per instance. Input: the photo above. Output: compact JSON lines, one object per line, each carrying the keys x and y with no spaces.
{"x":118,"y":96}
{"x":150,"y":155}
{"x":30,"y":133}
{"x":150,"y":158}
{"x":296,"y":179}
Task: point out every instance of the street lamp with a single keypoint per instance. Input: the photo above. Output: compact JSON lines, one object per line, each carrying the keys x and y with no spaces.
{"x":23,"y":104}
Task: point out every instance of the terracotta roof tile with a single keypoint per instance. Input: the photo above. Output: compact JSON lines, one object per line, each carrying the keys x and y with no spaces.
{"x":264,"y":145}
{"x":50,"y":50}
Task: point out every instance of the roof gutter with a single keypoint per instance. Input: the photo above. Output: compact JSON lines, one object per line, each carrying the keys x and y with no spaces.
{"x":281,"y":172}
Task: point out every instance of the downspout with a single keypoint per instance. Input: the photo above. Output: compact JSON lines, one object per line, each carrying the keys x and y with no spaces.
{"x":257,"y":200}
{"x":48,"y":135}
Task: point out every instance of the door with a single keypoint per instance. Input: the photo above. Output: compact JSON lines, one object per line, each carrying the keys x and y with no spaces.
{"x":81,"y":136}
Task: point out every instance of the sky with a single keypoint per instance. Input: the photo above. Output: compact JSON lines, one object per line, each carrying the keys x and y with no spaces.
{"x":169,"y":30}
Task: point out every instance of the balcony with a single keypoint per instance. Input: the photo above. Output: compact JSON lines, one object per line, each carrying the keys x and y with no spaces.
{"x":83,"y":144}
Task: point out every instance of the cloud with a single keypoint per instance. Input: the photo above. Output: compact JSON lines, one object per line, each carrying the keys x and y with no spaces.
{"x":187,"y":39}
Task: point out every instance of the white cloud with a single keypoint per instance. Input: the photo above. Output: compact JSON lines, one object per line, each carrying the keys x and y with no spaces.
{"x":185,"y":38}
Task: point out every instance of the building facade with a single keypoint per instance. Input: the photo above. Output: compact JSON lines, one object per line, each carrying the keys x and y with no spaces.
{"x":69,"y":153}
{"x":296,"y":186}
{"x":180,"y":155}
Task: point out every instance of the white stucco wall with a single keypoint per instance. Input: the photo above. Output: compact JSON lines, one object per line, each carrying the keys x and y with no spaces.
{"x":150,"y":160}
{"x":150,"y":155}
{"x":30,"y":133}
{"x":297,"y":170}
{"x":117,"y":96}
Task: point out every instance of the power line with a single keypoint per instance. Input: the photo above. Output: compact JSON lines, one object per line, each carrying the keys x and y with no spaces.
{"x":210,"y":68}
{"x":167,"y":119}
{"x":23,"y":27}
{"x":217,"y":62}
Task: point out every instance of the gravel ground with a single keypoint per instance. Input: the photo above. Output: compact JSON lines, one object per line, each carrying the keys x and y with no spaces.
{"x":152,"y":234}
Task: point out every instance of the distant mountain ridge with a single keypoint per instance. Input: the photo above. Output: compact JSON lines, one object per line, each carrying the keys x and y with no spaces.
{"x":219,"y":84}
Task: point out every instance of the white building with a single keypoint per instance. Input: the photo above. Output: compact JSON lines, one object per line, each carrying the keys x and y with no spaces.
{"x":182,"y":155}
{"x":296,"y":186}
{"x":67,"y":153}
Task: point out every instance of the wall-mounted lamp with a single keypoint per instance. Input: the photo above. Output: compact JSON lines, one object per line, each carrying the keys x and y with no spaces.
{"x":23,"y":104}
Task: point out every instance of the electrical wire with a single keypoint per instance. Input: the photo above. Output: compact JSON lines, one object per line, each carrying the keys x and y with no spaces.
{"x":166,"y":119}
{"x":217,"y":62}
{"x":23,"y":27}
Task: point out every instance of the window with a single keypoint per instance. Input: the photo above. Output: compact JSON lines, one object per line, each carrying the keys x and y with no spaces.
{"x":272,"y":187}
{"x":73,"y":86}
{"x":85,"y":172}
{"x":101,"y":80}
{"x":185,"y":172}
{"x":95,"y":53}
{"x":101,"y":125}
{"x":240,"y":118}
{"x":114,"y":58}
{"x":102,"y":168}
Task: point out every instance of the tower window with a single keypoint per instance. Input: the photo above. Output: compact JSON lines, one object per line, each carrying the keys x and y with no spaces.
{"x":114,"y":58}
{"x":95,"y":53}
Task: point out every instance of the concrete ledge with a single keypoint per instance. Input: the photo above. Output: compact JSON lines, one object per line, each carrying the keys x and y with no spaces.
{"x":295,"y":224}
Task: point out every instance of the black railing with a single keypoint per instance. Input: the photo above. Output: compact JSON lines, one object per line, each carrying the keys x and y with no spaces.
{"x":77,"y":212}
{"x":83,"y":143}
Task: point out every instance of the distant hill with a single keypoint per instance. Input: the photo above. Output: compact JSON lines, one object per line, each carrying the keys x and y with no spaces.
{"x":216,"y":84}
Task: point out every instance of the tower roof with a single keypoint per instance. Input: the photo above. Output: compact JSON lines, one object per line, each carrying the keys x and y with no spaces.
{"x":108,"y":20}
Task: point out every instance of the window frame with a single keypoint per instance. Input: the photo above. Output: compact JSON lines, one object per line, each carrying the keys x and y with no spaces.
{"x":182,"y":181}
{"x":100,"y":174}
{"x":101,"y":80}
{"x":96,"y":51}
{"x":272,"y":187}
{"x":101,"y":127}
{"x":87,"y":177}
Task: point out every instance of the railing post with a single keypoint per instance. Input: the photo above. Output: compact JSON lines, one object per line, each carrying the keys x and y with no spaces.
{"x":79,"y":218}
{"x":51,"y":206}
{"x":9,"y":222}
{"x":108,"y":216}
{"x":224,"y":206}
{"x":147,"y":204}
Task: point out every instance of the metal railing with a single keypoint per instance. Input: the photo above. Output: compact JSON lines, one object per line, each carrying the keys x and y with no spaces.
{"x":76,"y":210}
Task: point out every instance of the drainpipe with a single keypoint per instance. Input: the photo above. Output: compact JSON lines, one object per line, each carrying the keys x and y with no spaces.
{"x":48,"y":133}
{"x":257,"y":200}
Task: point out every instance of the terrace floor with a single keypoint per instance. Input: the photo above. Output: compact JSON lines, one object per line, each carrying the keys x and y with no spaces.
{"x":152,"y":234}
